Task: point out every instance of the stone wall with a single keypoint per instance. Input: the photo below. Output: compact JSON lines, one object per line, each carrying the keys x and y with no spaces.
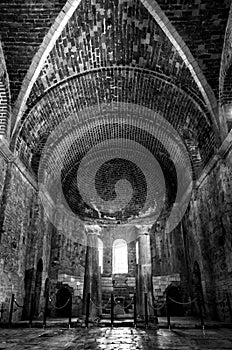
{"x":207,"y":231}
{"x":25,"y":239}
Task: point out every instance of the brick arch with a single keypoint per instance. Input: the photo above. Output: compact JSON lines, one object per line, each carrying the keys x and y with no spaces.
{"x":187,"y":56}
{"x":50,"y":40}
{"x":40,"y":57}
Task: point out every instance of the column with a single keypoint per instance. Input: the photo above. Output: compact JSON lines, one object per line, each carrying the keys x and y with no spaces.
{"x":92,"y":275}
{"x":145,"y":271}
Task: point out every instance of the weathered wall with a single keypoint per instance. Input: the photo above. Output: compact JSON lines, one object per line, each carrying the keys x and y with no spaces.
{"x":207,"y":232}
{"x":25,"y":239}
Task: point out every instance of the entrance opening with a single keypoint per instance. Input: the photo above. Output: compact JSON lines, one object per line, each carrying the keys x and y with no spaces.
{"x":62,"y":297}
{"x":174,"y":293}
{"x":120,"y":256}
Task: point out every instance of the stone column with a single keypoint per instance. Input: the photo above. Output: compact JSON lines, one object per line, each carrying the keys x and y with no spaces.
{"x":92,"y":276}
{"x":145,"y":271}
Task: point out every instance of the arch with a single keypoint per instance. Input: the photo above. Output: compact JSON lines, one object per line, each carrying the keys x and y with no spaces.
{"x":155,"y":10}
{"x":120,"y":256}
{"x":161,"y":19}
{"x":100,"y":253}
{"x":40,"y":57}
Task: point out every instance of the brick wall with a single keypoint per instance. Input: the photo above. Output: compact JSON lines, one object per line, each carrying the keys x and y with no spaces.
{"x":23,"y":26}
{"x":207,"y":227}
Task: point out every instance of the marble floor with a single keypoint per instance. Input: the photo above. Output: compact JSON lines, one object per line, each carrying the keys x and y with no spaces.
{"x":114,"y":339}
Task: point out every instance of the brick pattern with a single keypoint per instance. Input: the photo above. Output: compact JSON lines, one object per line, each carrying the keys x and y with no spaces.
{"x":4,"y":97}
{"x":161,"y":283}
{"x":23,"y":26}
{"x":202,"y":25}
{"x":122,"y":85}
{"x":226,"y":76}
{"x":95,"y":37}
{"x":208,"y":234}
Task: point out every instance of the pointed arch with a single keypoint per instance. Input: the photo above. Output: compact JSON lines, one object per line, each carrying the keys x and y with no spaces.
{"x":196,"y":72}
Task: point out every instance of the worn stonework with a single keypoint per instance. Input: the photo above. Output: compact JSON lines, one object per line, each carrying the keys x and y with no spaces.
{"x":207,"y":227}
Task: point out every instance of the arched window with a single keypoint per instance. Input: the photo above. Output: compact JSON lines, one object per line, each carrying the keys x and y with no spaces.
{"x":100,"y":254}
{"x":137,"y":252}
{"x":120,"y":256}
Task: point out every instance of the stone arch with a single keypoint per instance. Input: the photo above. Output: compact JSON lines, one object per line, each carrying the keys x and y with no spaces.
{"x":197,"y":74}
{"x":40,"y":57}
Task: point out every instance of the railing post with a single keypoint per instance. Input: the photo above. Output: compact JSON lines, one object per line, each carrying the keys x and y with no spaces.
{"x":11,"y":309}
{"x":70,"y":312}
{"x":135,"y":311}
{"x":112,"y":310}
{"x":168,"y":312}
{"x":87,"y":311}
{"x":145,"y":309}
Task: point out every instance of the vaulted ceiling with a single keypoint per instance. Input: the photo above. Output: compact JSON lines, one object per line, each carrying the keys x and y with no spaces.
{"x":119,"y":76}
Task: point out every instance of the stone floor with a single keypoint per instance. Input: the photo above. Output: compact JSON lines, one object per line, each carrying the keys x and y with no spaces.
{"x":114,"y":339}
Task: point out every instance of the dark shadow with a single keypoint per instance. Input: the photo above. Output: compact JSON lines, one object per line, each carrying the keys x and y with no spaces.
{"x":62,"y":296}
{"x":38,"y":286}
{"x":174,"y":293}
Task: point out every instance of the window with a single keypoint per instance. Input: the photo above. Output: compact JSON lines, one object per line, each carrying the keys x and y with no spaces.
{"x":120,"y":257}
{"x":100,"y":254}
{"x":137,"y":252}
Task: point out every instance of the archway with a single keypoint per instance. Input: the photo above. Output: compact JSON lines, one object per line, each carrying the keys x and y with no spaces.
{"x":120,"y":256}
{"x":62,"y":297}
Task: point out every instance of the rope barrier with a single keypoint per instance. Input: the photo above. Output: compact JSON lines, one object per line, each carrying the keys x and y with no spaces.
{"x":97,"y":307}
{"x":18,"y":304}
{"x":183,"y":303}
{"x":159,"y":307}
{"x":126,"y":307}
{"x":62,"y":307}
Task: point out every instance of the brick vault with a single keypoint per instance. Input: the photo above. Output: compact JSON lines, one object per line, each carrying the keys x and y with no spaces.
{"x":115,"y":134}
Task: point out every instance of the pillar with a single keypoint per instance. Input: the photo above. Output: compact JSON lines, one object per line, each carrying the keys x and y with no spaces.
{"x":144,"y":278}
{"x":92,"y":275}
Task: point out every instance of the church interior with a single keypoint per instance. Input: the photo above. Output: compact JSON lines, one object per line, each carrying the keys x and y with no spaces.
{"x":115,"y":160}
